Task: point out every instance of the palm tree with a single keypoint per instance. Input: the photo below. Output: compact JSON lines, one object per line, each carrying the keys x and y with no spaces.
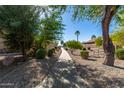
{"x":93,"y":37}
{"x":77,"y":33}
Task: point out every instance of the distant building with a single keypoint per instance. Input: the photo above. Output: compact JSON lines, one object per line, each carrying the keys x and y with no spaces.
{"x":89,"y":44}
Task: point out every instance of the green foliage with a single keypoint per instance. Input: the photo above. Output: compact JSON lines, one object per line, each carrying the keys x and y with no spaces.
{"x":50,"y":52}
{"x":19,"y":24}
{"x":74,"y":44}
{"x":120,"y":53}
{"x":99,"y":41}
{"x":40,"y":53}
{"x":84,"y":54}
{"x":51,"y":30}
{"x":118,"y":37}
{"x":93,"y":13}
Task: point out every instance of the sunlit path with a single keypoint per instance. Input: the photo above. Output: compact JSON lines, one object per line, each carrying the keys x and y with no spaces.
{"x":64,"y":55}
{"x":63,"y":74}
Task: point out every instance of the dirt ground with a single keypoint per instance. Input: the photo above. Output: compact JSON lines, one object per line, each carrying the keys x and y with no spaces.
{"x":25,"y":74}
{"x":98,"y":75}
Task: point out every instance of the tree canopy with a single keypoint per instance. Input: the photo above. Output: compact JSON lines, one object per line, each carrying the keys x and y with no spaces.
{"x":51,"y":29}
{"x":118,"y":37}
{"x":98,"y":41}
{"x":19,"y":24}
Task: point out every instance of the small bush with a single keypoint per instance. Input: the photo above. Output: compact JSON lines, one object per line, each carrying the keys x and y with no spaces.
{"x":40,"y":53}
{"x":84,"y":54}
{"x":84,"y":48}
{"x":120,"y":53}
{"x":50,"y":52}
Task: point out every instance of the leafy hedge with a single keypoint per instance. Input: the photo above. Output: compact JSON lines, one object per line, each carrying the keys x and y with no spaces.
{"x":74,"y":44}
{"x":120,"y":53}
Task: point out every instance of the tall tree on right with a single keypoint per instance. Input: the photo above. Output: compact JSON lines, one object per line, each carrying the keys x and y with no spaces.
{"x":77,"y":33}
{"x":103,"y":14}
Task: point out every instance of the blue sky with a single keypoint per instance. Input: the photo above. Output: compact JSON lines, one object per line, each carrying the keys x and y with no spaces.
{"x":86,"y":28}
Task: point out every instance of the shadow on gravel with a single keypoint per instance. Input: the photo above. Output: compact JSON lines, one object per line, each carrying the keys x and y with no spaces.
{"x":96,"y":79}
{"x":25,"y":75}
{"x":119,"y":67}
{"x":64,"y":75}
{"x":69,"y":75}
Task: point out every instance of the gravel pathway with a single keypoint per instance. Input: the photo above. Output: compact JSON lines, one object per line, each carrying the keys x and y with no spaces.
{"x":64,"y":74}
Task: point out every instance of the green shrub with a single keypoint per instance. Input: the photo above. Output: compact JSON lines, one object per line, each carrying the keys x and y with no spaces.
{"x":120,"y":53}
{"x":40,"y":53}
{"x":98,"y":41}
{"x":50,"y":52}
{"x":84,"y":54}
{"x":74,"y":44}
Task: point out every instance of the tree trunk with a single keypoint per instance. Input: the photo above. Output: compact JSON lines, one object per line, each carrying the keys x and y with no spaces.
{"x":77,"y":38}
{"x":108,"y":46}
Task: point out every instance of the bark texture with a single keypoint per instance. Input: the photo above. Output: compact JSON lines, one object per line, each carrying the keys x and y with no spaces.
{"x":108,"y":46}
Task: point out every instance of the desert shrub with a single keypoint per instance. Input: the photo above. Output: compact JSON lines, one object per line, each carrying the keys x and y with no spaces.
{"x":50,"y":52}
{"x":74,"y":44}
{"x":40,"y":53}
{"x":84,"y":48}
{"x":120,"y":53}
{"x":98,"y":41}
{"x":84,"y":54}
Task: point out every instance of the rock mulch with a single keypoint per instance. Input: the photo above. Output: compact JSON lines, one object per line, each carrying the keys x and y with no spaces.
{"x":26,"y":74}
{"x":98,"y":75}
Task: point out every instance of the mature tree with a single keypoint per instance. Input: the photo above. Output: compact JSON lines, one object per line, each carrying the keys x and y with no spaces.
{"x":93,"y":37}
{"x":18,"y":24}
{"x":104,"y":15}
{"x":77,"y":33}
{"x":51,"y":29}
